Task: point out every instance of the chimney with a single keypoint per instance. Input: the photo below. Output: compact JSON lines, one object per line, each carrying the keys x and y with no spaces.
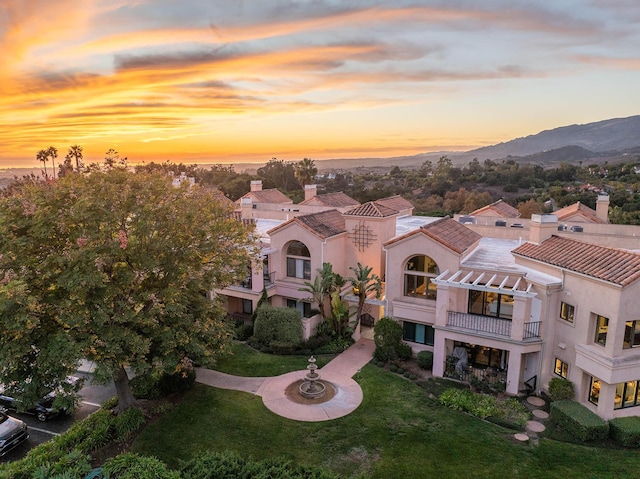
{"x":602,"y":208}
{"x":310,"y":191}
{"x":256,"y":185}
{"x":542,"y":227}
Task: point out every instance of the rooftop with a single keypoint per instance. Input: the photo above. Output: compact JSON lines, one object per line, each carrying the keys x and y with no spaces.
{"x":614,"y":265}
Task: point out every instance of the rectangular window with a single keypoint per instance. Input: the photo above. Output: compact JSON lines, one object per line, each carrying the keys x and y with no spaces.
{"x":594,"y":391}
{"x":488,"y":303}
{"x":302,"y":307}
{"x":419,"y":287}
{"x":417,"y":333}
{"x":602,"y":326}
{"x":631,"y":335}
{"x":567,"y":312}
{"x":626,"y":395}
{"x":298,"y":268}
{"x":561,"y":368}
{"x":247,"y":306}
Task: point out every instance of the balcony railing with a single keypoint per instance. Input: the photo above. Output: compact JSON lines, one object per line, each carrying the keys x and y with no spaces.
{"x":480,"y":324}
{"x":531,"y":330}
{"x":269,"y":278}
{"x":494,"y":379}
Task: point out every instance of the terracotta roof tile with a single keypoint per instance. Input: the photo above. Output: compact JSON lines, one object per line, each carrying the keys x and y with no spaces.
{"x":324,"y":224}
{"x":451,"y":234}
{"x":577,"y":209}
{"x":608,"y":264}
{"x":272,"y":195}
{"x":333,"y":200}
{"x":372,"y":209}
{"x":396,"y":202}
{"x":498,"y":208}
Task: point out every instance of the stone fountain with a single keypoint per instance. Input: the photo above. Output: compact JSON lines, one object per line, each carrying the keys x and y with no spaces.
{"x":312,"y":387}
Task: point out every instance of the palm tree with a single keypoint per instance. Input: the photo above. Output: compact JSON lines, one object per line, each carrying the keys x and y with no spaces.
{"x":325,"y":283}
{"x":43,"y":157}
{"x":52,"y":153}
{"x":305,"y":171}
{"x":364,"y":282}
{"x":75,"y":152}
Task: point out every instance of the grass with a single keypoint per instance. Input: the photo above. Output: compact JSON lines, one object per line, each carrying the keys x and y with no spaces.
{"x":397,"y":432}
{"x":246,"y":361}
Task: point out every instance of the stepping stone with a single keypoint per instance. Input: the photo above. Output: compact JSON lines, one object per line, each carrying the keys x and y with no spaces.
{"x":535,"y":426}
{"x":521,"y":437}
{"x":540,"y":414}
{"x":535,"y":401}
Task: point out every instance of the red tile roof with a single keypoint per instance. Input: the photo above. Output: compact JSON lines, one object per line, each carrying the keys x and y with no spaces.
{"x":498,"y":208}
{"x":577,"y":209}
{"x":396,"y":202}
{"x":372,"y":209}
{"x":272,"y":195}
{"x":451,"y":234}
{"x":333,"y":200}
{"x":447,"y":232}
{"x":324,"y":224}
{"x":608,"y":264}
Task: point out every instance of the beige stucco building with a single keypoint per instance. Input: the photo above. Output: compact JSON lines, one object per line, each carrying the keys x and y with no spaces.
{"x":508,"y":300}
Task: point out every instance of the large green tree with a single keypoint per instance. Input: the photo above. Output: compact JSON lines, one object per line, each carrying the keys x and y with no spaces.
{"x":306,"y":171}
{"x":113,"y":267}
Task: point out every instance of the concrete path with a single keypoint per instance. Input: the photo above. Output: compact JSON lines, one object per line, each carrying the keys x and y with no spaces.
{"x":338,"y":372}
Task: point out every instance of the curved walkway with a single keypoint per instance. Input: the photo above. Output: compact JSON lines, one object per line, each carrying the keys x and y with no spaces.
{"x":338,"y":372}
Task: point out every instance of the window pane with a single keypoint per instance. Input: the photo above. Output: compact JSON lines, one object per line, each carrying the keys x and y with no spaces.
{"x":566,"y":312}
{"x":628,"y":335}
{"x":602,"y":326}
{"x":298,"y":249}
{"x":476,"y":302}
{"x":420,"y":333}
{"x":630,"y":393}
{"x":619,"y":395}
{"x":429,"y":333}
{"x":636,"y":334}
{"x":291,"y":267}
{"x":306,"y":274}
{"x":594,"y":391}
{"x":506,"y":306}
{"x":409,"y":331}
{"x":409,"y":285}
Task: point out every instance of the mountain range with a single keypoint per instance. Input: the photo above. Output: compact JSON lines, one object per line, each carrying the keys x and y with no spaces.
{"x":591,"y":142}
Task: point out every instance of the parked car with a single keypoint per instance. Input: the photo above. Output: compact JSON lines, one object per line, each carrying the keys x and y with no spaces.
{"x":43,"y":409}
{"x":12,"y":433}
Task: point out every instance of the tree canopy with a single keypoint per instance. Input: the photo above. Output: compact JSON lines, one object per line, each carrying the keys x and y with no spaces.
{"x":113,"y":267}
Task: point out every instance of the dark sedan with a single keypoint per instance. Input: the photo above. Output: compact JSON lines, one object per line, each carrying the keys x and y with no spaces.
{"x":43,"y":409}
{"x":12,"y":433}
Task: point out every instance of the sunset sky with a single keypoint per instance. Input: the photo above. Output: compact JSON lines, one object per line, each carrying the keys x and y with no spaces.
{"x":198,"y":81}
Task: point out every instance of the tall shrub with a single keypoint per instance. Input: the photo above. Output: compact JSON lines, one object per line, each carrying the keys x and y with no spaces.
{"x":387,"y":335}
{"x":277,"y":324}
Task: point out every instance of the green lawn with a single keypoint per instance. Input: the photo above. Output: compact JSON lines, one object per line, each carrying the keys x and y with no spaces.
{"x":245,"y":361}
{"x":397,"y":432}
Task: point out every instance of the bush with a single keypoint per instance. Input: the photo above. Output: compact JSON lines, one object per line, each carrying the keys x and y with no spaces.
{"x":578,"y":421}
{"x":153,"y":385}
{"x":145,"y":386}
{"x":560,"y":388}
{"x":277,"y":324}
{"x":393,"y":368}
{"x":243,"y":332}
{"x":128,"y":422}
{"x":387,"y":335}
{"x":134,"y":466}
{"x":404,"y":351}
{"x":477,"y":405}
{"x":625,"y":431}
{"x":214,"y":465}
{"x":425,"y":359}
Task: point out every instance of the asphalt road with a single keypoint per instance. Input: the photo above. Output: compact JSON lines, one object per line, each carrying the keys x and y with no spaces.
{"x":93,"y":396}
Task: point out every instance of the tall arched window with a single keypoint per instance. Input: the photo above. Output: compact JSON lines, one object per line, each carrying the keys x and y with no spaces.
{"x":298,"y":262}
{"x":418,"y":273}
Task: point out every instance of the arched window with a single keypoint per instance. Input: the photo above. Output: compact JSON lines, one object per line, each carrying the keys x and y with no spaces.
{"x":418,"y":273}
{"x":298,"y":262}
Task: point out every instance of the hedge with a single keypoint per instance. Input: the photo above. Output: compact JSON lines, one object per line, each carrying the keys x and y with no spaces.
{"x":625,"y":431}
{"x":578,"y":421}
{"x":278,"y":325}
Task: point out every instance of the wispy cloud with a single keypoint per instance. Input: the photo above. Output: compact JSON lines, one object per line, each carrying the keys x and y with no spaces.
{"x":143,"y":73}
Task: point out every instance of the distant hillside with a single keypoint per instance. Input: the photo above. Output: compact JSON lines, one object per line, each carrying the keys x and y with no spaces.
{"x":599,"y":137}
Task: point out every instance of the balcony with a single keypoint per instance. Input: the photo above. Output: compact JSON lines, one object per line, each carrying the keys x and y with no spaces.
{"x":489,"y":326}
{"x":269,"y":278}
{"x":491,"y":378}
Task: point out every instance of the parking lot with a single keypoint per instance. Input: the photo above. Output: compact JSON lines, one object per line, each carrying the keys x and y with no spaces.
{"x":92,"y":397}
